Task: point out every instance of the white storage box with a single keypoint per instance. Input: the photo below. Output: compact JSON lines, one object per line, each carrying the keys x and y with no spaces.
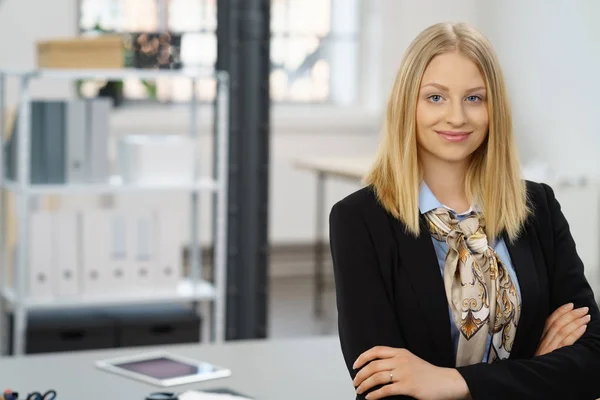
{"x":156,"y":159}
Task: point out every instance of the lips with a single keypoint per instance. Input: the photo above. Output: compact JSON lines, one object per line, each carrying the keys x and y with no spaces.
{"x":454,"y":136}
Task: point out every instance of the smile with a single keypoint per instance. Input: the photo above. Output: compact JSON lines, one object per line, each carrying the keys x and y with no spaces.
{"x":452,"y":136}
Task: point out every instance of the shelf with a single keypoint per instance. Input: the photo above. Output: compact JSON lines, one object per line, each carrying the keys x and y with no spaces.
{"x":183,"y":293}
{"x":114,"y":185}
{"x":112,"y":73}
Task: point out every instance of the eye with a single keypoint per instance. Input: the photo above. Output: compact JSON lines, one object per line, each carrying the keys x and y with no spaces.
{"x":436,"y":98}
{"x":474,"y":98}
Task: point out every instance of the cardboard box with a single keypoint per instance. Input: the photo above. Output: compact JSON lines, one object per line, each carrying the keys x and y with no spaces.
{"x":85,"y":52}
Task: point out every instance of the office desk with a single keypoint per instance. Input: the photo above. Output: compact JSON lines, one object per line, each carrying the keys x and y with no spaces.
{"x":295,"y":369}
{"x":347,"y":168}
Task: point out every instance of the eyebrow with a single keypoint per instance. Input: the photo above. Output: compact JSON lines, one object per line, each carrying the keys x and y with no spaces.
{"x":442,"y":87}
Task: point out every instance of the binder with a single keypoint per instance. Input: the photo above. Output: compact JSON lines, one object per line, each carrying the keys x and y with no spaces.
{"x":67,"y":258}
{"x":52,"y":138}
{"x":97,"y":132}
{"x":75,"y":158}
{"x":41,"y":255}
{"x":169,"y":266}
{"x":143,"y":243}
{"x":96,"y":241}
{"x":119,"y":267}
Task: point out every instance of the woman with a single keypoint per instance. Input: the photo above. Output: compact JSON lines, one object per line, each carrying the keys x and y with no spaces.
{"x":455,"y":278}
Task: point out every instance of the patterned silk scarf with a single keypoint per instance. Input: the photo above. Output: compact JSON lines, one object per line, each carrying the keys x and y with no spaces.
{"x":481,"y":294}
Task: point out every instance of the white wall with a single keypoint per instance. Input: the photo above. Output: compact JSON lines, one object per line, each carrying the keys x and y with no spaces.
{"x":402,"y":20}
{"x":22,"y":24}
{"x":550,"y":51}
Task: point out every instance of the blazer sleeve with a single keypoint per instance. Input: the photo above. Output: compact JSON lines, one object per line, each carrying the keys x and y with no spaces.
{"x":567,"y":373}
{"x":366,"y":317}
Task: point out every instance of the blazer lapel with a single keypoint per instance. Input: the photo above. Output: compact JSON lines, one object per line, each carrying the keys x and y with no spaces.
{"x":420,"y":261}
{"x":524,"y":265}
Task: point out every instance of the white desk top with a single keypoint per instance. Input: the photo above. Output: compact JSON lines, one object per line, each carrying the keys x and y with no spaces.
{"x":294,"y":369}
{"x":345,"y":167}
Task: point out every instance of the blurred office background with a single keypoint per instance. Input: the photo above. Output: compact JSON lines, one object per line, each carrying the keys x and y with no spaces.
{"x":332,"y":65}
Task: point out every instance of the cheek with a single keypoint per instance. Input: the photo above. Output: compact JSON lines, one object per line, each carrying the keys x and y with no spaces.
{"x":478,"y":117}
{"x":427,"y":116}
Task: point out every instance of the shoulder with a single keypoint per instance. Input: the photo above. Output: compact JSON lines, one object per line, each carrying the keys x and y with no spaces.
{"x":540,"y":197}
{"x":362,"y":202}
{"x":361,"y":214}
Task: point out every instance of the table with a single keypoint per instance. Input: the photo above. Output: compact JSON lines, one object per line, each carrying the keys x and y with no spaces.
{"x":291,"y":369}
{"x":347,"y":168}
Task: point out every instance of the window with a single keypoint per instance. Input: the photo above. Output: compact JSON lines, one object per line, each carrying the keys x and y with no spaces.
{"x":302,"y":44}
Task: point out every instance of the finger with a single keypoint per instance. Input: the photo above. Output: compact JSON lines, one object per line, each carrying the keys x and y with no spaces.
{"x":555,"y":315}
{"x":573,"y":337}
{"x":568,"y":341}
{"x":387,"y":391}
{"x":572,"y":327}
{"x":561,"y":334}
{"x":564,"y":320}
{"x":380,"y":378}
{"x":375,"y":353}
{"x":373,"y":368}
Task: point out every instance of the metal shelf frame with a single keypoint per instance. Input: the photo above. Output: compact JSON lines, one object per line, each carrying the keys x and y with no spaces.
{"x":19,"y":301}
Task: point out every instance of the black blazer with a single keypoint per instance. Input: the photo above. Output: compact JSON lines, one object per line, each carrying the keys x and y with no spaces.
{"x":390,"y":292}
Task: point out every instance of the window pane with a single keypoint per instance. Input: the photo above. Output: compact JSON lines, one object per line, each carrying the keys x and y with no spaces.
{"x":104,"y":13}
{"x":140,"y":15}
{"x":185,"y":15}
{"x":199,"y":49}
{"x":309,"y":16}
{"x":279,"y":16}
{"x":209,"y":15}
{"x":135,"y":89}
{"x":320,"y":80}
{"x":298,"y":48}
{"x":278,"y":50}
{"x":278,"y":85}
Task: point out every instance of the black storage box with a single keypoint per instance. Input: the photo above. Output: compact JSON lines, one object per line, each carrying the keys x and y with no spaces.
{"x":67,"y":330}
{"x":156,"y":325}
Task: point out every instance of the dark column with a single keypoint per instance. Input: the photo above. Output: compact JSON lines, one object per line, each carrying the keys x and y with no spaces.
{"x":243,"y":50}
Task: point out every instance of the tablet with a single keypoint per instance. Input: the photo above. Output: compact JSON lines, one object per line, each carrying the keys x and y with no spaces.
{"x":163,"y":369}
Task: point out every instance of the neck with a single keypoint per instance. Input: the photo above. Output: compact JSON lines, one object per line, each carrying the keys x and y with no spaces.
{"x":447,"y":182}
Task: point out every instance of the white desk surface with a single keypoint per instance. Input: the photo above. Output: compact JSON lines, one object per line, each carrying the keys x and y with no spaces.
{"x":293,"y":369}
{"x":345,"y":167}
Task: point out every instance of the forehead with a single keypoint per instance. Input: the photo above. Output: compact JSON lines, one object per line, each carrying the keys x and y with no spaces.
{"x":453,"y":70}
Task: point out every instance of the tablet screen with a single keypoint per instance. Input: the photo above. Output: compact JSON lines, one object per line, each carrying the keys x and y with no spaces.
{"x":165,"y":368}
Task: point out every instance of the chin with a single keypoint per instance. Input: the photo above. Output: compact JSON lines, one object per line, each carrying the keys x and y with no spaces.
{"x":454,"y":158}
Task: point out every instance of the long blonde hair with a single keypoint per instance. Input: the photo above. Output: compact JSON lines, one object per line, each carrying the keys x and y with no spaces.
{"x":493,"y":179}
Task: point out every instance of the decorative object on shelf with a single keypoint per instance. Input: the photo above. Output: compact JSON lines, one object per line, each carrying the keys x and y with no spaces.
{"x":156,"y":50}
{"x":106,"y":51}
{"x":156,"y":159}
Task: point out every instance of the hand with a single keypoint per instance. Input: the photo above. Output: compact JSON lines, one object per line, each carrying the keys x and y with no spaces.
{"x":563,"y":328}
{"x":403,"y":373}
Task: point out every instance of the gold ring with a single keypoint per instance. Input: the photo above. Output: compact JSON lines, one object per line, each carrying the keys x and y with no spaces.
{"x":391,"y":376}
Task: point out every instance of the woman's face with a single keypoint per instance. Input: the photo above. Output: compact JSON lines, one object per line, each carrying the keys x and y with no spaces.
{"x":452,"y":117}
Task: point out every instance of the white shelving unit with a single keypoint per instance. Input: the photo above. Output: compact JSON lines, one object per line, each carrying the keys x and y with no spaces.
{"x":16,"y":297}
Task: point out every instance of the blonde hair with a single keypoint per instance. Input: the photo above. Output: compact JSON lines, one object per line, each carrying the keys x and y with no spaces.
{"x":493,"y":179}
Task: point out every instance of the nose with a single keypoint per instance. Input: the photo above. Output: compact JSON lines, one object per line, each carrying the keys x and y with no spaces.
{"x":456,"y":114}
